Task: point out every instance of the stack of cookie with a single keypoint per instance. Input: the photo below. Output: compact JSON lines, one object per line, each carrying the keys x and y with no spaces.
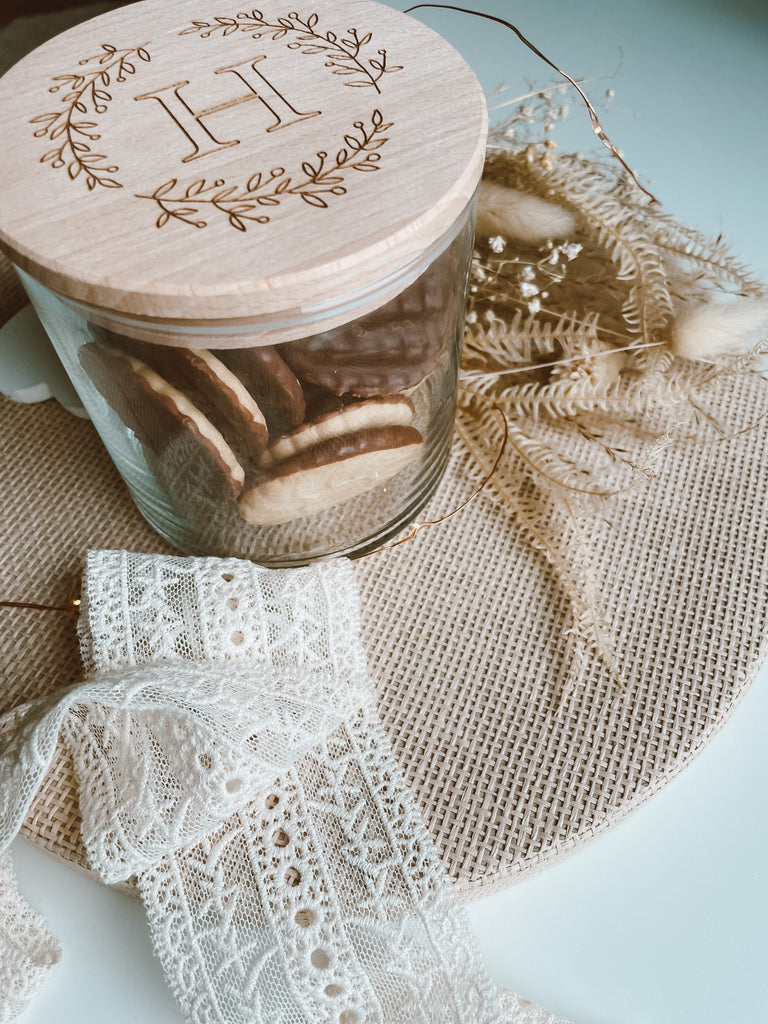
{"x":270,"y":435}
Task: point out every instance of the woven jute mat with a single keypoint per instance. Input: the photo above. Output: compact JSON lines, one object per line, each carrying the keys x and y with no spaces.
{"x":466,"y":631}
{"x":466,"y":627}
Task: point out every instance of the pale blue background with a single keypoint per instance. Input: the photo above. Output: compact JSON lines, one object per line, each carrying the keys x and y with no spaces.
{"x":691,"y":90}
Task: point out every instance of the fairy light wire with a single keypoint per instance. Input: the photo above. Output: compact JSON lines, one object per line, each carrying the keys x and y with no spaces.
{"x":471,"y":374}
{"x":417,"y":527}
{"x":71,"y":608}
{"x":597,"y":127}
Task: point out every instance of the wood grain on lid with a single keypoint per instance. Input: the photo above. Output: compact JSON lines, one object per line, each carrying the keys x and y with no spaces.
{"x":177,"y":159}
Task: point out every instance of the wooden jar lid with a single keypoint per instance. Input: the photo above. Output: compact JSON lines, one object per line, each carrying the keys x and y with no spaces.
{"x":174,"y":160}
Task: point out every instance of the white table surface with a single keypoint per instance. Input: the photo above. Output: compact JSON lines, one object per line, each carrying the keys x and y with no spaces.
{"x":663,"y":920}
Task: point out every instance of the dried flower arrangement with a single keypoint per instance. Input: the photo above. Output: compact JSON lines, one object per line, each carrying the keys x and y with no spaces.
{"x":597,"y":327}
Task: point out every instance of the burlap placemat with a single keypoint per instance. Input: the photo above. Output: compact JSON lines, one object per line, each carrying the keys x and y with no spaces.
{"x":466,"y":630}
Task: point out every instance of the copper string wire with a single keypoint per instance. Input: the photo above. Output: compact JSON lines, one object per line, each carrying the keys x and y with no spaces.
{"x":597,"y":127}
{"x":417,"y":527}
{"x":71,"y":608}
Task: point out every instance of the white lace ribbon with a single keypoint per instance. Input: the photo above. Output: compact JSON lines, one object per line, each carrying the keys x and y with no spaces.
{"x":230,"y":757}
{"x":165,"y":756}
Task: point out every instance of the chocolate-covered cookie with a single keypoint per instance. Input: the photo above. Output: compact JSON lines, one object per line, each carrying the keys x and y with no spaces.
{"x":210,"y":385}
{"x":329,"y":474}
{"x":391,"y":349}
{"x":386,"y":411}
{"x":154,"y":410}
{"x":271,"y":382}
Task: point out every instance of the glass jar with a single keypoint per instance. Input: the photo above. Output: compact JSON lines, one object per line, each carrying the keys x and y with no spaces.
{"x":326,"y":444}
{"x":249,"y":241}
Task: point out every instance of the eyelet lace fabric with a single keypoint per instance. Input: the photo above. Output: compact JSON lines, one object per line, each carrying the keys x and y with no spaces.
{"x":231,"y":759}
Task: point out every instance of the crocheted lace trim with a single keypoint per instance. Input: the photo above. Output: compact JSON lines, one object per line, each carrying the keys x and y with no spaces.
{"x":231,"y":759}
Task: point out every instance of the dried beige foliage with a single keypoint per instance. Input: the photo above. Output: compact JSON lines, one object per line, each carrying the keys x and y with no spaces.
{"x":598,"y":341}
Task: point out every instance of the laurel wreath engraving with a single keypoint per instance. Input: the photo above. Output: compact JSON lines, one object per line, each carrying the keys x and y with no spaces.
{"x":86,"y":94}
{"x":246,"y":203}
{"x":343,"y":54}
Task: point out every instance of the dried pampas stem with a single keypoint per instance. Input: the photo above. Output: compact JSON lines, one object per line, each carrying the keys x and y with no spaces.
{"x":516,"y":216}
{"x":707,"y":330}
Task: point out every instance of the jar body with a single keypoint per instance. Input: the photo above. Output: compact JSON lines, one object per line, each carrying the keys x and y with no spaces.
{"x":327,"y":444}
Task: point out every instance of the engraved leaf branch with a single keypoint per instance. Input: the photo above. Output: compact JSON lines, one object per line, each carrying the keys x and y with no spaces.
{"x":342,"y":53}
{"x":86,"y":96}
{"x":320,"y":178}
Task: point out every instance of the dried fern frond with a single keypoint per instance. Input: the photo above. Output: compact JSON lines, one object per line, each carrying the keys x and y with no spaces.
{"x":611,"y":229}
{"x":554,"y":528}
{"x":567,"y":400}
{"x":717,"y":264}
{"x":498,"y":348}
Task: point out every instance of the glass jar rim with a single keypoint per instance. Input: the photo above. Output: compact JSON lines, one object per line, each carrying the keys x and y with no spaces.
{"x":270,"y":328}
